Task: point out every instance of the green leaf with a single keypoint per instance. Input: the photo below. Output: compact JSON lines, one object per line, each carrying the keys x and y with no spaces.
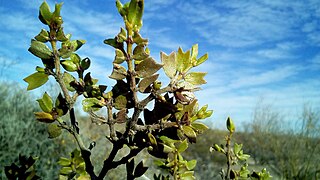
{"x":194,"y":52}
{"x":188,"y":175}
{"x":66,"y":170}
{"x":76,"y":44}
{"x":45,"y":15}
{"x":167,"y":149}
{"x":237,"y":148}
{"x":119,"y":72}
{"x":135,"y":13}
{"x":183,"y":146}
{"x":61,"y":36}
{"x":91,"y":104}
{"x":119,"y":58}
{"x":64,"y":161}
{"x":57,"y":9}
{"x":139,"y":53}
{"x":121,"y":9}
{"x":169,"y":64}
{"x":54,"y":130}
{"x":196,"y":78}
{"x":190,"y":133}
{"x":199,"y":127}
{"x":146,"y":82}
{"x":85,"y":63}
{"x":44,"y":117}
{"x":122,"y":36}
{"x":40,"y":50}
{"x":230,"y":125}
{"x":69,"y":65}
{"x":120,"y":102}
{"x":113,"y":42}
{"x":46,"y":103}
{"x":43,"y":36}
{"x":36,"y":80}
{"x":147,"y":67}
{"x":201,"y":60}
{"x":68,"y":79}
{"x":139,"y":40}
{"x":183,"y":61}
{"x":152,"y":139}
{"x":191,"y":164}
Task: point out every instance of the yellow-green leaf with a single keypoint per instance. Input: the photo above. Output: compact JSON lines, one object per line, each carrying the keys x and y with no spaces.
{"x":119,"y":72}
{"x":119,"y":58}
{"x":45,"y":15}
{"x":44,"y":117}
{"x":68,"y":79}
{"x":69,"y":65}
{"x":40,"y":50}
{"x":189,"y":132}
{"x":36,"y":80}
{"x":120,"y":102}
{"x":196,"y":78}
{"x":199,"y":127}
{"x":202,"y":59}
{"x":46,"y":103}
{"x":191,"y":164}
{"x":147,"y":67}
{"x":64,"y":161}
{"x":169,"y":64}
{"x":146,"y":82}
{"x":54,"y":130}
{"x":230,"y":125}
{"x":183,"y":61}
{"x":43,"y":36}
{"x":183,"y":146}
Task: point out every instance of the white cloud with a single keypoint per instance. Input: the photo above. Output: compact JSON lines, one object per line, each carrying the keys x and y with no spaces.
{"x":266,"y":77}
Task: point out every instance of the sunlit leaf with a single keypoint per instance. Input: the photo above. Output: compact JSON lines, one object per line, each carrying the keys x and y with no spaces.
{"x":230,"y":125}
{"x":147,"y":67}
{"x":44,"y":117}
{"x":202,"y":59}
{"x":44,"y":13}
{"x":119,"y":72}
{"x":199,"y":127}
{"x":139,"y":53}
{"x":119,"y":58}
{"x":190,"y":133}
{"x":183,"y":146}
{"x":54,"y":130}
{"x":91,"y":104}
{"x":40,"y":50}
{"x":183,"y":61}
{"x":69,"y":65}
{"x":68,"y":80}
{"x":191,"y":164}
{"x":196,"y":78}
{"x":46,"y":103}
{"x":169,"y":64}
{"x":43,"y":36}
{"x":64,"y":161}
{"x":36,"y":80}
{"x":146,"y":82}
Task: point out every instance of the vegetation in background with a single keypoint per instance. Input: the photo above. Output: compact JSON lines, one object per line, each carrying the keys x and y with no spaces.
{"x":20,"y":134}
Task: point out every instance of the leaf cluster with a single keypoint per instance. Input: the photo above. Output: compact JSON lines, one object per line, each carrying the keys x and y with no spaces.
{"x":235,"y":156}
{"x":165,"y":129}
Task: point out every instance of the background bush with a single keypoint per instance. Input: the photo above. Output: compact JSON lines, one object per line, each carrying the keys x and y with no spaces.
{"x":21,"y":134}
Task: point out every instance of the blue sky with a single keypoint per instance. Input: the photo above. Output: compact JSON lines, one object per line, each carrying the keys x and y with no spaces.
{"x":257,"y":49}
